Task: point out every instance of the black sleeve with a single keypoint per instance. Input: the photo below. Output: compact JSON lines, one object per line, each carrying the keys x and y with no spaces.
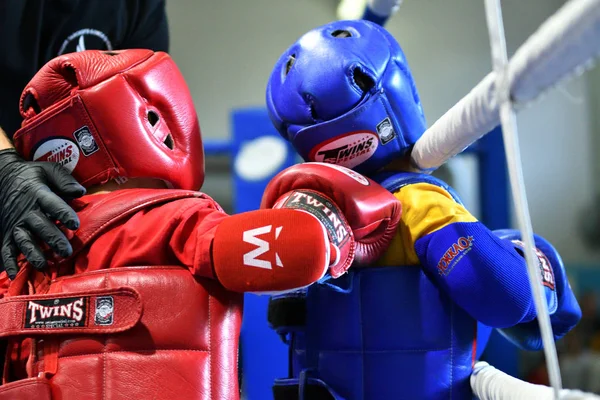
{"x":150,"y":27}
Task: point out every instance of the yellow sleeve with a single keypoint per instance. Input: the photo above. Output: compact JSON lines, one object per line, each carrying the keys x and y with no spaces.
{"x":426,"y":208}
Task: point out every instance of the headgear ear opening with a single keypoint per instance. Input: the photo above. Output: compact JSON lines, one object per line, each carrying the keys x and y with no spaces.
{"x":362,"y":80}
{"x":341,"y":33}
{"x":288,"y":65}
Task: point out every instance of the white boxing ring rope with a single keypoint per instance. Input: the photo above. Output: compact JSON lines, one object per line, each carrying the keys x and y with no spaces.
{"x":566,"y":44}
{"x":508,"y":120}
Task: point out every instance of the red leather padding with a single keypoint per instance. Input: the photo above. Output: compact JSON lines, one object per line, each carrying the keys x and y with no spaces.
{"x":184,"y":347}
{"x":26,"y":389}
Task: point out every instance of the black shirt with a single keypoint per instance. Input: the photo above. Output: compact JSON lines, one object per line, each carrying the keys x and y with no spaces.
{"x":33,"y":32}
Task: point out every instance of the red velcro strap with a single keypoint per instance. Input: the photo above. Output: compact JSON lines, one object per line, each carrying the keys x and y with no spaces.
{"x":26,"y":389}
{"x":91,"y":312}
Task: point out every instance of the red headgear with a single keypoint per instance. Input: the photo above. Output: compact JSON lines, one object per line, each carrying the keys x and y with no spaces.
{"x":109,"y":115}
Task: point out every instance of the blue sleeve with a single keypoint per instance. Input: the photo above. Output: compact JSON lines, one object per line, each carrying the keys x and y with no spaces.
{"x":482,"y":273}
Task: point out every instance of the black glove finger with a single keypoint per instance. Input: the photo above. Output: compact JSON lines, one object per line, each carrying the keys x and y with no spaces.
{"x":62,"y":181}
{"x":48,"y":232}
{"x":26,"y":243}
{"x":9,"y":258}
{"x":57,"y":209}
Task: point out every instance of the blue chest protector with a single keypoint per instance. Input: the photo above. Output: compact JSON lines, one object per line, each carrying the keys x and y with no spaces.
{"x":377,"y":333}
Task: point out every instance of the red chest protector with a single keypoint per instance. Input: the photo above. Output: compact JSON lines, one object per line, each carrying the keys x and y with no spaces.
{"x":144,"y":332}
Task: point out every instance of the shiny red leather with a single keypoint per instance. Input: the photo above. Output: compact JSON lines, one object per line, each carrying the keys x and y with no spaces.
{"x":372,"y":212}
{"x":113,"y":115}
{"x":183,"y":346}
{"x":26,"y":389}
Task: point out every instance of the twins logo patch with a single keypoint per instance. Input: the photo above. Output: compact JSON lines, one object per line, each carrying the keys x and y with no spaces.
{"x":454,"y":254}
{"x":59,"y":150}
{"x":347,"y":150}
{"x":86,"y":141}
{"x":320,"y":207}
{"x":104,"y":310}
{"x":56,"y":313}
{"x":386,"y":131}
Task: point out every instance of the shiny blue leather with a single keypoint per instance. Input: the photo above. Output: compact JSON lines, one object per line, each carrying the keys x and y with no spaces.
{"x":344,"y":94}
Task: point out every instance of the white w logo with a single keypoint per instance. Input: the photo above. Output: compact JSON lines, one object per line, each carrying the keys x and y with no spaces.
{"x":263,"y":246}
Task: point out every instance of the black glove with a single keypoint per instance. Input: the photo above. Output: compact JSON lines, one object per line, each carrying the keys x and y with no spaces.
{"x":28,"y":207}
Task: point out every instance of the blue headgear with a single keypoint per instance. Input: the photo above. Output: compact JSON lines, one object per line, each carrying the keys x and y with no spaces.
{"x":344,"y":94}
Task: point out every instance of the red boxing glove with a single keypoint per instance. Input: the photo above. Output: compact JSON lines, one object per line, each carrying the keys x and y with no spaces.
{"x":270,"y":251}
{"x":318,"y":218}
{"x":359,"y":216}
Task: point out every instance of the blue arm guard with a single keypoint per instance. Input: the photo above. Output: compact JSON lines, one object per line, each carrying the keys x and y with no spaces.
{"x":482,"y":273}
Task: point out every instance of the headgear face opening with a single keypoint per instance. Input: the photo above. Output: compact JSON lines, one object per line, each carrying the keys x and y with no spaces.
{"x":113,"y":115}
{"x":344,"y":94}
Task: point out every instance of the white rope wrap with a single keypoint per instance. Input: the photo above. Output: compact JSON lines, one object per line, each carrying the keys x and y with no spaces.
{"x":566,"y":44}
{"x":488,"y":383}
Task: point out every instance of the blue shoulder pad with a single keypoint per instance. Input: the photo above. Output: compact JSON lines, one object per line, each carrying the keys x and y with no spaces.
{"x":394,"y":181}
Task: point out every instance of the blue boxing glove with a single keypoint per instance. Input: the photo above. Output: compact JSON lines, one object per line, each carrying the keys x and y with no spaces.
{"x":562,"y":306}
